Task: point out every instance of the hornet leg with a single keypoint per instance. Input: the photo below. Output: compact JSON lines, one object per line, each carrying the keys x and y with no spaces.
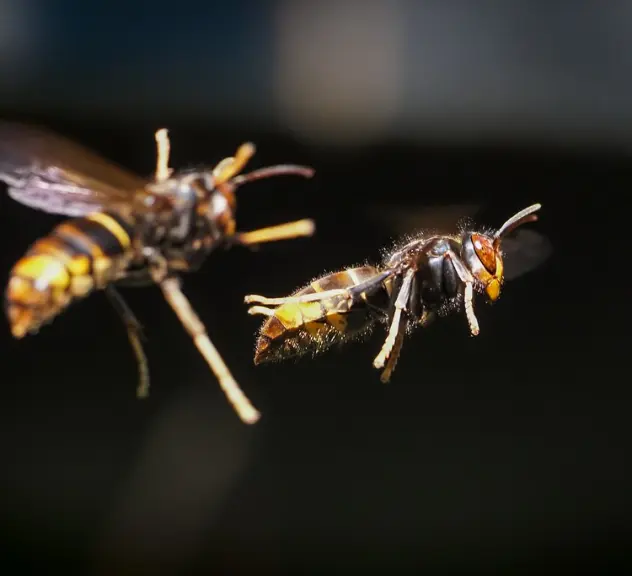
{"x":354,"y":294}
{"x":394,"y":356}
{"x":287,"y":231}
{"x":255,"y":298}
{"x":231,"y":166}
{"x":194,"y":326}
{"x":394,"y":340}
{"x":163,"y":146}
{"x":468,"y":294}
{"x":135,"y":335}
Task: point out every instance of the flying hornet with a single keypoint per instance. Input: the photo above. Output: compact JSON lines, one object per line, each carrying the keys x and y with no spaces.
{"x":428,"y":276}
{"x":125,"y":230}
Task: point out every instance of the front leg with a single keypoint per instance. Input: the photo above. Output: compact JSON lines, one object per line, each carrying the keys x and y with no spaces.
{"x":468,"y":293}
{"x":288,"y":231}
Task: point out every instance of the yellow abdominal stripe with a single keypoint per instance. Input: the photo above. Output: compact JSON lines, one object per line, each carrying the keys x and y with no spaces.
{"x":294,"y":315}
{"x":311,"y":316}
{"x":45,"y":268}
{"x":112,"y":226}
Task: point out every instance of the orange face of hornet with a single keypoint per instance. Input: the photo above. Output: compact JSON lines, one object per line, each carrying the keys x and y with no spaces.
{"x":485,"y":261}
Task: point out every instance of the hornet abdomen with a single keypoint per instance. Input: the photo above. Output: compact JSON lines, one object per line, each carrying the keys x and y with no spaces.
{"x":80,"y":255}
{"x":295,"y":328}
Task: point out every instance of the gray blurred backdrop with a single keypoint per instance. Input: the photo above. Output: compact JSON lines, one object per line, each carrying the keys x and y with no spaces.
{"x":332,"y":70}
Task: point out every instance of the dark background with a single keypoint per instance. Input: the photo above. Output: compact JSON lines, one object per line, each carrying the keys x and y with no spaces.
{"x":504,"y":452}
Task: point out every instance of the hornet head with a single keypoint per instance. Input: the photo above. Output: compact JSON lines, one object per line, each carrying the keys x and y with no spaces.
{"x":483,"y":256}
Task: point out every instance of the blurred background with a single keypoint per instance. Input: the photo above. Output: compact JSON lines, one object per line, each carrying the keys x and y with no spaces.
{"x":504,"y":452}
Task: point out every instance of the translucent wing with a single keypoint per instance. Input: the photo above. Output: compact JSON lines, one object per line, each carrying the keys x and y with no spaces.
{"x":523,"y":250}
{"x":403,"y":220}
{"x":48,"y":172}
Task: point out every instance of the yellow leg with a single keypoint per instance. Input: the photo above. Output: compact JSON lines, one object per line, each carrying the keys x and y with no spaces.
{"x":193,"y":325}
{"x":394,"y":356}
{"x":469,"y":309}
{"x":286,"y":231}
{"x":394,"y":339}
{"x":163,"y":151}
{"x":389,"y":343}
{"x":257,"y":299}
{"x":468,"y":293}
{"x":233,"y":165}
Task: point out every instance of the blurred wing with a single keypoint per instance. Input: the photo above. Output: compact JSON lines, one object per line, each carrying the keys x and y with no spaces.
{"x":402,"y":220}
{"x":48,"y":172}
{"x":523,"y":251}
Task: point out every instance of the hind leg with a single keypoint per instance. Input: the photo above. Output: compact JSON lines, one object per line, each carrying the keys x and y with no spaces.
{"x":194,"y":326}
{"x":353,"y":294}
{"x":392,"y":345}
{"x":135,"y":335}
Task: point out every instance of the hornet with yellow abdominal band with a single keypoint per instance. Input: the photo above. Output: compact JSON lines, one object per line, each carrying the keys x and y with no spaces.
{"x":125,"y":230}
{"x":428,"y":276}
